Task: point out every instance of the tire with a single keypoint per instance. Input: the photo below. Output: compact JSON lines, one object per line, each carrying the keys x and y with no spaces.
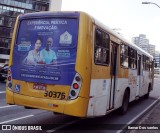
{"x":125,"y":103}
{"x":55,"y":113}
{"x":28,"y":107}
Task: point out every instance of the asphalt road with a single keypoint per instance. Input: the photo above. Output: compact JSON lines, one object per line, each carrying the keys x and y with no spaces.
{"x":61,"y":123}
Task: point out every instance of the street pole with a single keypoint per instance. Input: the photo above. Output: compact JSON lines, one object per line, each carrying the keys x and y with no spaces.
{"x":151,"y":3}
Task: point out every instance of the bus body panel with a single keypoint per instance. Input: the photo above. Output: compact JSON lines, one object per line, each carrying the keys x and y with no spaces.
{"x":60,"y":106}
{"x":145,"y":83}
{"x":9,"y":97}
{"x":12,"y":42}
{"x":40,"y":90}
{"x":100,"y":89}
{"x":84,"y":53}
{"x":77,"y":107}
{"x":99,"y":86}
{"x":126,"y":78}
{"x":99,"y":94}
{"x":132,"y":81}
{"x":122,"y":85}
{"x":34,"y":102}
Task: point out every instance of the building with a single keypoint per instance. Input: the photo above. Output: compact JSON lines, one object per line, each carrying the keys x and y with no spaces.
{"x":143,"y":43}
{"x":157,"y":58}
{"x":157,"y":61}
{"x":151,"y":49}
{"x":9,"y":10}
{"x":55,"y":5}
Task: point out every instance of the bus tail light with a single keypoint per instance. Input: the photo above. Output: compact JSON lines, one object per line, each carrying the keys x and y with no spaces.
{"x":9,"y":79}
{"x":75,"y":87}
{"x":77,"y":78}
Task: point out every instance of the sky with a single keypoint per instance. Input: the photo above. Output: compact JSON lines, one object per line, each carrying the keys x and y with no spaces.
{"x":129,"y":17}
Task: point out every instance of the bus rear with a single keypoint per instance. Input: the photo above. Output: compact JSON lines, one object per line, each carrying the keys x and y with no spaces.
{"x":43,"y":72}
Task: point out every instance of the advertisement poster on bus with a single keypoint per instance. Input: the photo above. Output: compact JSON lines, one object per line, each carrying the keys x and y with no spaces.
{"x":45,"y":50}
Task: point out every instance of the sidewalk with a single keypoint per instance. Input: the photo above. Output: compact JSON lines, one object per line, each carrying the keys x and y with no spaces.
{"x":153,"y":116}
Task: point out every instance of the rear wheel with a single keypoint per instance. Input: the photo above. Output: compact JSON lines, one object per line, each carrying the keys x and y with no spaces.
{"x":146,"y":95}
{"x":28,"y":107}
{"x":125,"y":103}
{"x":55,"y":113}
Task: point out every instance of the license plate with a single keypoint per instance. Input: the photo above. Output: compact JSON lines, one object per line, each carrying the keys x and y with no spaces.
{"x":38,"y":86}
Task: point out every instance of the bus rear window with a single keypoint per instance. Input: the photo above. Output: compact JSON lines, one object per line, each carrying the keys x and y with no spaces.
{"x":45,"y":50}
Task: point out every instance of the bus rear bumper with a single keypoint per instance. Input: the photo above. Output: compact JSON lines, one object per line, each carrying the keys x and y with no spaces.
{"x":34,"y":102}
{"x":77,"y":107}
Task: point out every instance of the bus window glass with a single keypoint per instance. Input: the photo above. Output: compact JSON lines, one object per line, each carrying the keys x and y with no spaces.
{"x":101,"y":47}
{"x":132,"y":58}
{"x":146,"y":63}
{"x":45,"y":50}
{"x":124,"y":56}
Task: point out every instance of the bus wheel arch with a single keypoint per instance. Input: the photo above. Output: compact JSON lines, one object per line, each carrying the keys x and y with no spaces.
{"x":125,"y":101}
{"x":149,"y":89}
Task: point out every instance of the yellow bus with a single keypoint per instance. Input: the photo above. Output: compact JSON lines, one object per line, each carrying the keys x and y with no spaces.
{"x":69,"y":63}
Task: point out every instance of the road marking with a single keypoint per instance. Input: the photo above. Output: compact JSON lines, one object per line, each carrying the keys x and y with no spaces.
{"x":16,"y":119}
{"x":7,"y":106}
{"x":140,"y":114}
{"x":2,"y":92}
{"x":60,"y":127}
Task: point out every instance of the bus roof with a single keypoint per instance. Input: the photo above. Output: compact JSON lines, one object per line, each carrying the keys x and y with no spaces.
{"x":51,"y":13}
{"x":121,"y":37}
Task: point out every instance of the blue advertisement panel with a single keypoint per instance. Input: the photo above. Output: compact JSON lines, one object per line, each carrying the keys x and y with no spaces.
{"x":45,"y":50}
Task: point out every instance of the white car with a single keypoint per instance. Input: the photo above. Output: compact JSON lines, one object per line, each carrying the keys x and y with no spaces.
{"x":3,"y":72}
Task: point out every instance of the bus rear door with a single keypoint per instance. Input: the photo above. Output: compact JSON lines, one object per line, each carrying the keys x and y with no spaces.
{"x":114,"y":67}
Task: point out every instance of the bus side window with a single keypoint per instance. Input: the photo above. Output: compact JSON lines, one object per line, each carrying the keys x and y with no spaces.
{"x":132,"y":58}
{"x":146,"y":63}
{"x":101,"y":54}
{"x":124,"y":56}
{"x":98,"y":55}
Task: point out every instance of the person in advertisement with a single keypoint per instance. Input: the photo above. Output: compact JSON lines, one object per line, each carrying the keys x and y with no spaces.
{"x":49,"y":56}
{"x":34,"y":55}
